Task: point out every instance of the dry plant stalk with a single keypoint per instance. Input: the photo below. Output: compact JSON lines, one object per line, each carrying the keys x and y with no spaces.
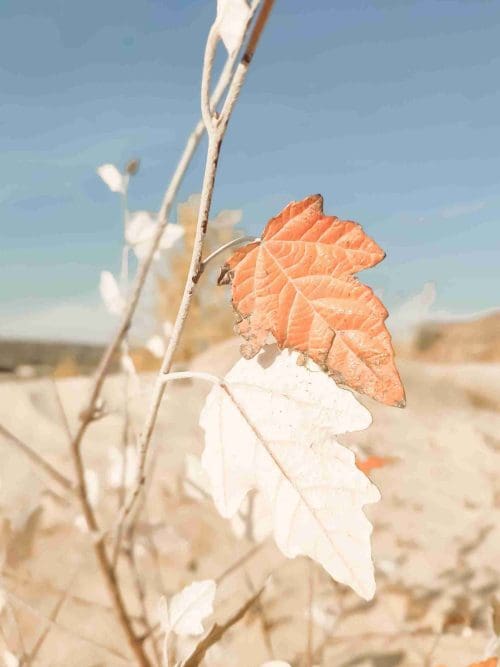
{"x":215,"y":126}
{"x":208,"y":321}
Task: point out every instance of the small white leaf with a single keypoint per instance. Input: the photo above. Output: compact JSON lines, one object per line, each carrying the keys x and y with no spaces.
{"x":232,"y":17}
{"x":289,"y":453}
{"x":156,"y":345}
{"x":10,"y":659}
{"x":168,"y":328}
{"x":110,"y":294}
{"x":80,"y":523}
{"x":122,"y":467}
{"x":127,"y":365}
{"x":325,"y":617}
{"x":93,"y":486}
{"x":112,"y":177}
{"x":172,"y":236}
{"x":141,"y":229}
{"x":188,"y":609}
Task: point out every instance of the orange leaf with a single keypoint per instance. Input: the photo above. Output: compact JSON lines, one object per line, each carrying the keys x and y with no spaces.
{"x":297,"y":284}
{"x":373,"y":462}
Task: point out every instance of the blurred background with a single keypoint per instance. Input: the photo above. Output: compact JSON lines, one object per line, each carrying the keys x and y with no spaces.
{"x":388,"y":108}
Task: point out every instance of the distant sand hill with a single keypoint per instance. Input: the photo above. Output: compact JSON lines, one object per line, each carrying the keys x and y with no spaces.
{"x":455,"y":342}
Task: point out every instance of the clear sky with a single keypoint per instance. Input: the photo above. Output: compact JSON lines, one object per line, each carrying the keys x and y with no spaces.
{"x":389,"y":108}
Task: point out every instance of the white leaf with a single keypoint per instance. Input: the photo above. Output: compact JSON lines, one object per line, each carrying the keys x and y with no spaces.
{"x":10,"y":660}
{"x":168,"y":328}
{"x":140,"y":227}
{"x":81,"y":523}
{"x":232,"y":17}
{"x":156,"y":345}
{"x":290,"y":454}
{"x":172,"y":236}
{"x":325,"y":617}
{"x":188,"y":609}
{"x":110,"y":294}
{"x":122,"y":467}
{"x":93,"y":486}
{"x":140,"y":231}
{"x":112,"y":177}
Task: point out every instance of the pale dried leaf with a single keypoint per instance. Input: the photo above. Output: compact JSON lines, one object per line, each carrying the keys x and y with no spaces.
{"x":10,"y":660}
{"x":140,"y":231}
{"x":123,"y":467}
{"x":156,"y":345}
{"x":112,"y":177}
{"x":93,"y":486}
{"x":188,"y":609}
{"x":289,"y":453}
{"x":110,"y":293}
{"x":232,"y":17}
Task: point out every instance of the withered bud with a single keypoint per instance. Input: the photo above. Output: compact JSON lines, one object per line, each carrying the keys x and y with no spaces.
{"x":133,"y":166}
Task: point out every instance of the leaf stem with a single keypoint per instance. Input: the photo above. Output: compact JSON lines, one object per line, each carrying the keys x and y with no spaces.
{"x":219,"y":251}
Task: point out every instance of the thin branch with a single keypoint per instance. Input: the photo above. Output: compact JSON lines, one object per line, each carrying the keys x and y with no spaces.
{"x":192,"y":143}
{"x":264,"y":622}
{"x":242,"y":69}
{"x":241,"y":561}
{"x":216,"y":134}
{"x":36,"y":459}
{"x":216,"y":633}
{"x":53,"y":617}
{"x":65,"y":630}
{"x":141,"y":593}
{"x":105,"y":564}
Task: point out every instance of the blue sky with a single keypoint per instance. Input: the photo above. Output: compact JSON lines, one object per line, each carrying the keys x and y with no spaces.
{"x":390,"y":109}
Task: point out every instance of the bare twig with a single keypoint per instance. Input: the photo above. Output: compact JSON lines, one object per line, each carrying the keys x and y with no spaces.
{"x":216,"y":130}
{"x":36,"y":459}
{"x":193,"y":140}
{"x":105,"y":564}
{"x":241,"y":561}
{"x":141,"y":594}
{"x":67,"y":631}
{"x":264,"y":621}
{"x":53,"y":617}
{"x":216,"y":633}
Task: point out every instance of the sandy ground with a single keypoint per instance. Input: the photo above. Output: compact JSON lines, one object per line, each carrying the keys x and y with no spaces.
{"x":436,"y":531}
